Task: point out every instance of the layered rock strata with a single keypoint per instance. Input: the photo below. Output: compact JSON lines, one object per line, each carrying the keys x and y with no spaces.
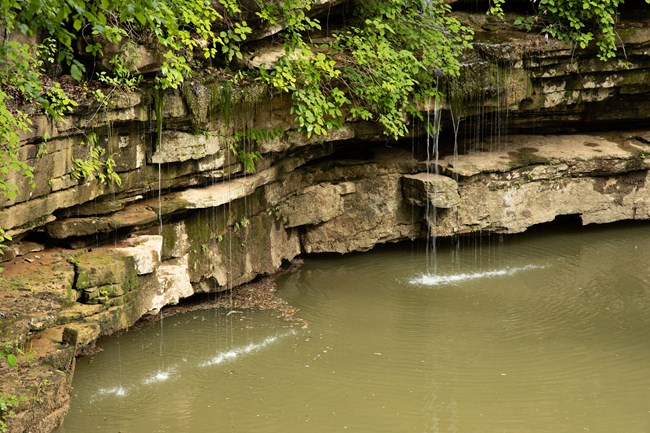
{"x":191,"y":217}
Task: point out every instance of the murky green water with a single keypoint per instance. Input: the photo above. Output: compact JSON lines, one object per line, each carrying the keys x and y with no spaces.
{"x":546,"y":332}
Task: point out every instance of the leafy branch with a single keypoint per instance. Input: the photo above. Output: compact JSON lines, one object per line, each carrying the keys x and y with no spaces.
{"x":580,"y":22}
{"x":95,"y":165}
{"x":376,"y":69}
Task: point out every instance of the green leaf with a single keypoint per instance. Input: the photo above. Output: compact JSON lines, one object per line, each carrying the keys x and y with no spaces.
{"x":11,"y":360}
{"x":76,"y":73}
{"x":140,"y":16}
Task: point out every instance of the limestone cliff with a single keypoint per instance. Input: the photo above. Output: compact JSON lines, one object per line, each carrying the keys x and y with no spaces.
{"x":190,"y":216}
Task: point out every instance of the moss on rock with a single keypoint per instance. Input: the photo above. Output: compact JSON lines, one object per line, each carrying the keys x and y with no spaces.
{"x":101,"y":268}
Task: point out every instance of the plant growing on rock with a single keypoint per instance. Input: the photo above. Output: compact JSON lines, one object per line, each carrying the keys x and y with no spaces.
{"x":95,"y":165}
{"x":243,"y":142}
{"x":395,"y":56}
{"x":175,"y":29}
{"x":247,"y":159}
{"x":8,"y":402}
{"x":580,"y":22}
{"x":379,"y":68}
{"x":307,"y":74}
{"x":8,"y":354}
{"x":328,"y":83}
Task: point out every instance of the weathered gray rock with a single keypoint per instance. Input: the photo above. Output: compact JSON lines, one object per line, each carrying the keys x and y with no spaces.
{"x":135,"y":215}
{"x":24,"y":247}
{"x":296,"y":139}
{"x":248,"y":248}
{"x":146,"y":252}
{"x":374,"y":214}
{"x":6,"y":254}
{"x":103,"y":294}
{"x":439,"y":191}
{"x":314,"y":205}
{"x":226,"y":192}
{"x":136,"y":58}
{"x":173,"y":284}
{"x":265,"y":56}
{"x":505,"y":205}
{"x":543,"y":84}
{"x":102,"y":267}
{"x":176,"y":242}
{"x":179,"y":146}
{"x":581,"y":154}
{"x":537,"y":178}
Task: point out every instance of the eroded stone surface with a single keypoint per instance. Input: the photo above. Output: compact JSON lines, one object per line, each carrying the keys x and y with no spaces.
{"x":179,"y":146}
{"x":173,"y":282}
{"x":374,"y":214}
{"x":581,"y":154}
{"x":542,"y":84}
{"x":313,"y":205}
{"x":146,"y":252}
{"x":223,"y":227}
{"x":423,"y":188}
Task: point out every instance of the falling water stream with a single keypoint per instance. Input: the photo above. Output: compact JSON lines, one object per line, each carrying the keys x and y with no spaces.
{"x":542,"y":332}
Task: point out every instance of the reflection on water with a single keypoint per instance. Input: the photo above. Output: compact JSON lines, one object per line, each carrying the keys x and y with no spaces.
{"x":546,"y":332}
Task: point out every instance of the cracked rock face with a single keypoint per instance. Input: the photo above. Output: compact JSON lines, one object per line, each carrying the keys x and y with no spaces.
{"x":208,"y":225}
{"x":217,"y":236}
{"x":374,"y":213}
{"x":537,"y":178}
{"x":512,"y":81}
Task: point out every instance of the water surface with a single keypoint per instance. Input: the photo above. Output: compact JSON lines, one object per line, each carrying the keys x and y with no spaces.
{"x":544,"y":332}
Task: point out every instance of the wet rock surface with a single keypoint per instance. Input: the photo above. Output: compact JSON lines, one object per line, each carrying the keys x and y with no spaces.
{"x":224,"y":235}
{"x":208,"y":223}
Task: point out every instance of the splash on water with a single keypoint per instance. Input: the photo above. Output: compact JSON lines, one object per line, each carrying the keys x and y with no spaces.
{"x":159,"y":376}
{"x":437,"y":280}
{"x":222,"y":357}
{"x":119,"y":391}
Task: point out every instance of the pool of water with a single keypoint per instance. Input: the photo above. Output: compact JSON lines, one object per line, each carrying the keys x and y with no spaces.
{"x":544,"y":332}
